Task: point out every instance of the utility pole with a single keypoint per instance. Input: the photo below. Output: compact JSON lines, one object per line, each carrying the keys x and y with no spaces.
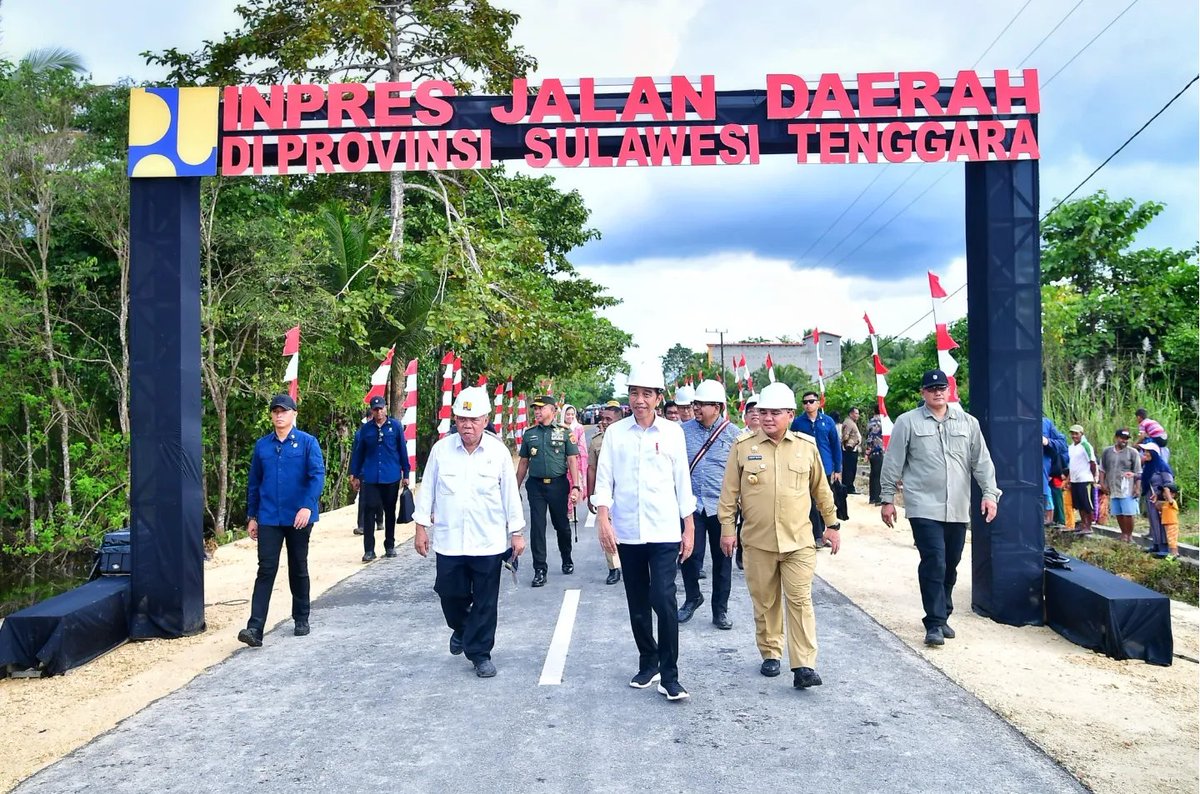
{"x":721,"y":333}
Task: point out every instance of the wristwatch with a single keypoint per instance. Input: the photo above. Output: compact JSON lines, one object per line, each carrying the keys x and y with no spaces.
{"x":833,"y":526}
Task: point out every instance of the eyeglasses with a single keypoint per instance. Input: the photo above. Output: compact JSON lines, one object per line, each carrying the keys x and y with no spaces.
{"x":809,"y":402}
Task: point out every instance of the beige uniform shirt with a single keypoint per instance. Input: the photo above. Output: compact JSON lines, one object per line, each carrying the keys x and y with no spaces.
{"x":594,"y":450}
{"x":776,"y":484}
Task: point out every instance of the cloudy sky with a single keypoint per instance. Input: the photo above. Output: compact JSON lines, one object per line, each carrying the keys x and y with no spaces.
{"x":775,"y":248}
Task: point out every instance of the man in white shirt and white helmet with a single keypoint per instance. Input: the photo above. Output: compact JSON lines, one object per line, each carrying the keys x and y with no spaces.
{"x":643,"y":489}
{"x":468,"y":510}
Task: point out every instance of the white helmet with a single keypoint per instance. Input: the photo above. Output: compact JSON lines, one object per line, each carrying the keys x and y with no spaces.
{"x":685,"y":395}
{"x":752,"y":400}
{"x":472,"y":403}
{"x":648,"y":376}
{"x":777,"y":396}
{"x":710,"y":391}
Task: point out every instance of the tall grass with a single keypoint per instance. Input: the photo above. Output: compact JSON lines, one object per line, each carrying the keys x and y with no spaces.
{"x":1106,"y":399}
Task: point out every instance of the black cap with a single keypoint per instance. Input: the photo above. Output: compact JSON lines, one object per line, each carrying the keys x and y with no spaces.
{"x":1123,"y":432}
{"x":934,"y":377}
{"x":378,"y":402}
{"x":543,"y":399}
{"x":283,"y":401}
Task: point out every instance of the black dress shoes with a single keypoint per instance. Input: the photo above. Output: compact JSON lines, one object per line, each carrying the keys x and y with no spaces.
{"x":934,"y":636}
{"x":688,"y":609}
{"x":614,"y":576}
{"x":358,"y":530}
{"x":539,"y":578}
{"x":301,"y":628}
{"x":485,"y":668}
{"x":805,"y":677}
{"x":722,"y":622}
{"x":370,"y":555}
{"x":770,"y":668}
{"x":390,"y":553}
{"x":250,"y":637}
{"x":947,"y":632}
{"x":568,"y":567}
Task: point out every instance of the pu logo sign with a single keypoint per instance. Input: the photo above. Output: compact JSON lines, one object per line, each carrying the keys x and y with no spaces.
{"x":173,"y":132}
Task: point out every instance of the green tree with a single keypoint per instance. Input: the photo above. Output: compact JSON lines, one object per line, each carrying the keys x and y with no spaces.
{"x":676,"y":361}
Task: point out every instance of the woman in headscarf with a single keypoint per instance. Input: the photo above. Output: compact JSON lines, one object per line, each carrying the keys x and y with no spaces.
{"x":579,"y":436}
{"x":1156,"y":473}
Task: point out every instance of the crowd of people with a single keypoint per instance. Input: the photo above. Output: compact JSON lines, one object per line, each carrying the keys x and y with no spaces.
{"x":1129,"y":478}
{"x":670,"y":482}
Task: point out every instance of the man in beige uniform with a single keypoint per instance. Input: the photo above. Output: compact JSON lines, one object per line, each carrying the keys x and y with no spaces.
{"x":610,"y":413}
{"x":777,"y":475}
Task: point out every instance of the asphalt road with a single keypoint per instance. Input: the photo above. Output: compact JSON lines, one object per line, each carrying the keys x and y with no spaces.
{"x":373,"y":701}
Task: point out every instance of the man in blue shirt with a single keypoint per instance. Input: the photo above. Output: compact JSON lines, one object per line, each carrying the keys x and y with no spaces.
{"x":378,"y":470}
{"x":287,"y":474}
{"x":814,"y":422}
{"x":709,"y":436}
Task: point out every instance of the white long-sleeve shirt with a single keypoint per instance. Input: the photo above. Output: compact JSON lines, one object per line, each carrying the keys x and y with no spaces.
{"x":643,"y":478}
{"x":469,"y":500}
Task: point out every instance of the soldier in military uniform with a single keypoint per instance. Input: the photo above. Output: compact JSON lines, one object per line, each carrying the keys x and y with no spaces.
{"x":775,"y":475}
{"x":610,"y":413}
{"x":547,"y":452}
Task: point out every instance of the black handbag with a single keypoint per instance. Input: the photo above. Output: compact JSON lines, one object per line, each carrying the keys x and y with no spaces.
{"x":406,"y":507}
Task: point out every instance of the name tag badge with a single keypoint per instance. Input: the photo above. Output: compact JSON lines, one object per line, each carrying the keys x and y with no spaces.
{"x":754,"y":457}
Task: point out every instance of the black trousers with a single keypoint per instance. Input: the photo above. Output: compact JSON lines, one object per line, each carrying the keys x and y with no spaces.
{"x":849,"y":469}
{"x":379,"y":496}
{"x":551,"y":495}
{"x":941,"y":545}
{"x":363,"y":516}
{"x":469,"y":588}
{"x":722,"y":577}
{"x":648,"y":570}
{"x":271,"y":540}
{"x":876,"y":462}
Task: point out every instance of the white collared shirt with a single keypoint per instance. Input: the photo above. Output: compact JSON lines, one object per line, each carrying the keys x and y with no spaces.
{"x":643,"y":478}
{"x":469,"y":500}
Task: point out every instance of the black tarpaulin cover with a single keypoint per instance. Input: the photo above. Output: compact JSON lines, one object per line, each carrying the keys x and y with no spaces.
{"x":67,"y":630}
{"x":1103,"y":612}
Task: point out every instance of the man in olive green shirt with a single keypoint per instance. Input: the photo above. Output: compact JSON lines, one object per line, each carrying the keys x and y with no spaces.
{"x":547,"y":452}
{"x":935,"y":450}
{"x":776,"y":475}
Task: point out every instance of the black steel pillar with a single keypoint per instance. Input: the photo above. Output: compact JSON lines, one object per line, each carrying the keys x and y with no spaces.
{"x":1004,"y":323}
{"x":166,"y":497}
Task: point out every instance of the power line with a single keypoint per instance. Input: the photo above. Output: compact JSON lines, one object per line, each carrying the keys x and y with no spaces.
{"x":829,"y":228}
{"x":1182,"y":91}
{"x":1025,"y":60}
{"x":870,"y":214}
{"x":1090,"y":43}
{"x":1020,"y":11}
{"x":889,"y":221}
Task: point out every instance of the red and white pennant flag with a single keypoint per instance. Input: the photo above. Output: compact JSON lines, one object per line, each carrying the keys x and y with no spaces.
{"x":816,"y":336}
{"x":498,"y":410}
{"x":522,"y":420}
{"x":945,"y":344}
{"x":881,"y":387}
{"x":457,"y":375}
{"x":291,"y":347}
{"x":510,"y":413}
{"x":409,"y":420}
{"x":379,"y":377}
{"x":770,"y":365}
{"x":447,"y":396}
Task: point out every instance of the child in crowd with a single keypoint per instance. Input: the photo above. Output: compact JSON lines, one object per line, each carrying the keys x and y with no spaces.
{"x":1168,"y":512}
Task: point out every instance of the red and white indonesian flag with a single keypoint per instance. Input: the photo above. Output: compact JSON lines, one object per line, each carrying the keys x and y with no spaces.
{"x":881,"y":387}
{"x":409,"y":419}
{"x":510,"y":413}
{"x":816,"y":337}
{"x":457,"y":375}
{"x":770,"y":365}
{"x":291,"y":347}
{"x":945,"y":343}
{"x":447,"y":394}
{"x":379,"y":378}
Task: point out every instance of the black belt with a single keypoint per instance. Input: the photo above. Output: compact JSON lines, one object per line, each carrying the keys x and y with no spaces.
{"x":548,"y":480}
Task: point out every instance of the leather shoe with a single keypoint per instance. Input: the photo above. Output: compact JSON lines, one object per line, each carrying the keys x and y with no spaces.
{"x":947,"y":632}
{"x":568,"y":567}
{"x":485,"y":669}
{"x":614,"y":576}
{"x":301,"y":629}
{"x":722,"y":622}
{"x":250,"y":637}
{"x":934,"y":636}
{"x":456,"y":644}
{"x":370,"y":555}
{"x":805,"y":677}
{"x":539,"y":578}
{"x":390,"y":553}
{"x":770,"y":668}
{"x":358,"y":530}
{"x":688,"y":609}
